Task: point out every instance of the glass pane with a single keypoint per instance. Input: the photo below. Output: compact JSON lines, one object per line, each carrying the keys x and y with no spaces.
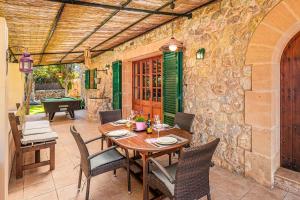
{"x":159,"y":81}
{"x":146,"y":68}
{"x":146,"y":81}
{"x":137,"y":68}
{"x":159,"y":94}
{"x":154,"y":94}
{"x":158,"y":67}
{"x":154,"y":80}
{"x":137,"y":81}
{"x":148,"y":93}
{"x":154,"y":66}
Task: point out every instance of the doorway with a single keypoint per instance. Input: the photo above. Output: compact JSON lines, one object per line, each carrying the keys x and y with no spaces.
{"x":290,"y":105}
{"x":147,"y":86}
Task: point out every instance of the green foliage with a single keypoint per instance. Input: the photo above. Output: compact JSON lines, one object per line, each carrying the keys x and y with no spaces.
{"x":63,"y":74}
{"x":36,"y":109}
{"x":140,"y":119}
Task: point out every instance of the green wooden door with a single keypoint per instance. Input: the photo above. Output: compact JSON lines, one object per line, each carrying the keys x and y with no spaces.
{"x":117,"y":85}
{"x":172,"y":85}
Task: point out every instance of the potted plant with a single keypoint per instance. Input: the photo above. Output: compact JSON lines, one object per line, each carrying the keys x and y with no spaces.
{"x":140,"y":123}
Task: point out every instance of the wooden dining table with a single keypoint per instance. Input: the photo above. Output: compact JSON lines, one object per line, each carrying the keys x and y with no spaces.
{"x":146,"y":150}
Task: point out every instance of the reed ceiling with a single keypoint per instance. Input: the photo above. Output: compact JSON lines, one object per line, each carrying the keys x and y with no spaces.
{"x":55,"y":30}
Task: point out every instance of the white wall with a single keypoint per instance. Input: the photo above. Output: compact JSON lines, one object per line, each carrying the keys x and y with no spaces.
{"x":3,"y":112}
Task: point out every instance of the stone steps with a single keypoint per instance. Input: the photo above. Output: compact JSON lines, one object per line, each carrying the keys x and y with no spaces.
{"x":288,"y":180}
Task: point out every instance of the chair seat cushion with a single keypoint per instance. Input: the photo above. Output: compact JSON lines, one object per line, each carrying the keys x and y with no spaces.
{"x":105,"y":158}
{"x":171,"y":169}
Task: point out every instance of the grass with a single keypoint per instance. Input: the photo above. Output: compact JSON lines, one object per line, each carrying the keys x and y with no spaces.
{"x":36,"y":109}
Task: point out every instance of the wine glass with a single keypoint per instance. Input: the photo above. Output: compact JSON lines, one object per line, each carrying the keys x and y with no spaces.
{"x":158,"y":125}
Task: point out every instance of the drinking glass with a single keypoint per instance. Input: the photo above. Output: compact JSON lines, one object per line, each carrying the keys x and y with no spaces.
{"x":158,"y":125}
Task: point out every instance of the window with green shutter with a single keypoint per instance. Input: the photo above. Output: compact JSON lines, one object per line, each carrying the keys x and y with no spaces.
{"x":172,"y":85}
{"x":87,"y":79}
{"x":117,"y":85}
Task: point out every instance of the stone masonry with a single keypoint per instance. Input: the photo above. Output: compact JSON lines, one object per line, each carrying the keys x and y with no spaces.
{"x":214,"y":88}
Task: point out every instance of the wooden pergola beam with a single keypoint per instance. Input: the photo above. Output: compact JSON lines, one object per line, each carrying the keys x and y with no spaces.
{"x":112,"y":7}
{"x":95,"y":30}
{"x":65,"y":63}
{"x":51,"y":32}
{"x":60,"y":52}
{"x":125,"y":29}
{"x":167,"y":4}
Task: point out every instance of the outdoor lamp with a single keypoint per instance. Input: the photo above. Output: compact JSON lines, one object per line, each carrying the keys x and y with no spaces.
{"x":200,"y":54}
{"x":172,"y":45}
{"x":26,"y":63}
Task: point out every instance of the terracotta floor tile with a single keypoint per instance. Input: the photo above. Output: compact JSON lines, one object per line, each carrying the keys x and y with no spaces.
{"x":261,"y":192}
{"x":71,"y":193}
{"x":35,"y":178}
{"x":48,"y":196}
{"x":38,"y":189}
{"x":61,"y":183}
{"x":291,"y":196}
{"x":17,"y":194}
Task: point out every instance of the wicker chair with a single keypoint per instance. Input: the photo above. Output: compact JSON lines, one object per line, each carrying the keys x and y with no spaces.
{"x":185,"y":122}
{"x":189,"y":179}
{"x":109,"y":116}
{"x":92,"y":165}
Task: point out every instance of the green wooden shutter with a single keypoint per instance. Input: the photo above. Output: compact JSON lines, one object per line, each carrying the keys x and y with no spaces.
{"x":93,"y":75}
{"x":172,"y":85}
{"x":87,"y":79}
{"x":117,"y":85}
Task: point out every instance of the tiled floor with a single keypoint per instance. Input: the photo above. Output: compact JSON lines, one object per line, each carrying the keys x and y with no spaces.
{"x":42,"y":184}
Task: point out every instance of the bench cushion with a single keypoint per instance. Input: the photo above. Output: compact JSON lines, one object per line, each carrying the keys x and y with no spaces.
{"x":35,"y":138}
{"x":36,"y":131}
{"x":36,"y":124}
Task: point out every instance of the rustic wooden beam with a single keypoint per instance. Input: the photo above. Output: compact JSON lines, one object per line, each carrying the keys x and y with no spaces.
{"x":65,"y":63}
{"x":60,"y":52}
{"x":51,"y":32}
{"x":112,"y":7}
{"x":95,"y":30}
{"x":203,"y":5}
{"x":125,"y":29}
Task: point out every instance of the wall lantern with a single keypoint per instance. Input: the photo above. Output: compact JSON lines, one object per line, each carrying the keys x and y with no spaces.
{"x":106,"y":68}
{"x":26,"y":63}
{"x":200,"y":54}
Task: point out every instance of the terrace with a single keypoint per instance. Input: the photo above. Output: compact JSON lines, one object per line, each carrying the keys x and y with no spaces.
{"x":206,"y":87}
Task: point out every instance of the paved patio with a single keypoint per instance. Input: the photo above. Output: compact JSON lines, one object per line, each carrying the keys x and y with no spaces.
{"x":62,"y":182}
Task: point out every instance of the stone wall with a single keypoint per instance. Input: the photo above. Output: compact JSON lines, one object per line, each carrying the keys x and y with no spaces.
{"x":41,"y":94}
{"x":214,"y":88}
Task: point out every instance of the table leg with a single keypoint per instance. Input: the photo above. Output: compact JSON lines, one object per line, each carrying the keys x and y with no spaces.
{"x":145,"y":177}
{"x":51,"y":116}
{"x":72,"y":114}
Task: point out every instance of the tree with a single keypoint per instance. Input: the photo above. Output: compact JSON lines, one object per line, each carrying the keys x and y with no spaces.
{"x":62,"y":74}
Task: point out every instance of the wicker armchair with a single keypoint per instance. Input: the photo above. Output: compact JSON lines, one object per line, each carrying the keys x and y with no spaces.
{"x":189,"y":179}
{"x":92,"y":165}
{"x":109,"y":116}
{"x":185,"y":122}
